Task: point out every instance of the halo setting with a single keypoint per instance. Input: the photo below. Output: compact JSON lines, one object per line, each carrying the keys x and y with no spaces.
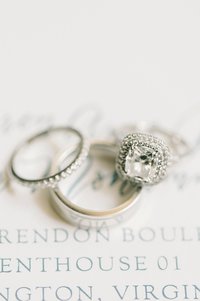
{"x":143,"y":158}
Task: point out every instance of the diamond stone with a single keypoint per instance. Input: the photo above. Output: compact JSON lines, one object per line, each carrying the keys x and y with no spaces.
{"x":140,"y":163}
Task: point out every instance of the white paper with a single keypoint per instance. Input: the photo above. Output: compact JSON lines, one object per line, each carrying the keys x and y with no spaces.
{"x":97,"y":66}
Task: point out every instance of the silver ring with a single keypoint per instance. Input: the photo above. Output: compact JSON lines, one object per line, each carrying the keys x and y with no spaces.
{"x":76,"y":214}
{"x":52,"y":176}
{"x":144,"y":158}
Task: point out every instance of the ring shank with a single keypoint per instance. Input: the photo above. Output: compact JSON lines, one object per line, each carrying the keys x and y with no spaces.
{"x":52,"y":179}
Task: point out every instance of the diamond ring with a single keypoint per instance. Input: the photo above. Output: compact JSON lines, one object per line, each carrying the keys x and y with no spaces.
{"x":143,"y":158}
{"x":31,"y":163}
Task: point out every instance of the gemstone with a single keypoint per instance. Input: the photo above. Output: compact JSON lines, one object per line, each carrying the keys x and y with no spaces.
{"x":141,"y":163}
{"x":142,"y":158}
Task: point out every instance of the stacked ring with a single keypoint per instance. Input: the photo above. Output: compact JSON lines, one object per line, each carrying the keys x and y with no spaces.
{"x":142,"y":157}
{"x":52,"y":177}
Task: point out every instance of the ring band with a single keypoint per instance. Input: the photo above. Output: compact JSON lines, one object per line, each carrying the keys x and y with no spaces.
{"x":53,"y":179}
{"x":76,"y":214}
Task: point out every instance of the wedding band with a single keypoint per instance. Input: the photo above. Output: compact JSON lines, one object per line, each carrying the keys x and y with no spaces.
{"x":144,"y":158}
{"x":76,"y":214}
{"x":51,"y":177}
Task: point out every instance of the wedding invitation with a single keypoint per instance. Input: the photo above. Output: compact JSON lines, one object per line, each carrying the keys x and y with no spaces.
{"x":100,"y":66}
{"x":152,"y":256}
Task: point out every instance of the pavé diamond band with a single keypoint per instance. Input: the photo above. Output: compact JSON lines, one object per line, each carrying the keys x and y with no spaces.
{"x":51,"y":176}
